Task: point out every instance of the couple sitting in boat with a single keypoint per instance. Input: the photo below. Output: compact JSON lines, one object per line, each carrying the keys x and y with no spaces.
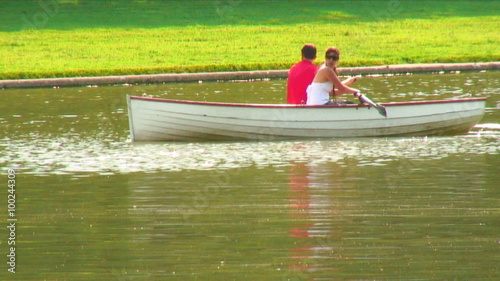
{"x":308,"y":84}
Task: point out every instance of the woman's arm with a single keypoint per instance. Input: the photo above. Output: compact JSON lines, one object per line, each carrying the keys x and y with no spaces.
{"x":332,"y":77}
{"x":350,"y":81}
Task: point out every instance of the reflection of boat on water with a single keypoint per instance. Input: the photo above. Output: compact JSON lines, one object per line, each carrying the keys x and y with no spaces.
{"x":153,"y":119}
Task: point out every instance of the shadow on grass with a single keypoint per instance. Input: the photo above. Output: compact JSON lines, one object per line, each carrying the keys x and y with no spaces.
{"x":74,"y":14}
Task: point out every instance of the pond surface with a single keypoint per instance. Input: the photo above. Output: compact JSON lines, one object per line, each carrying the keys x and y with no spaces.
{"x":91,"y":205}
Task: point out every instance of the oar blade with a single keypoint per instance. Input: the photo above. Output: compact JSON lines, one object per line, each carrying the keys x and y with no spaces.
{"x":380,"y":108}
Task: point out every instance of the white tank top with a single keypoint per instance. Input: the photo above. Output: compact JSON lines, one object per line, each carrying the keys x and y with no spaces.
{"x":319,"y":93}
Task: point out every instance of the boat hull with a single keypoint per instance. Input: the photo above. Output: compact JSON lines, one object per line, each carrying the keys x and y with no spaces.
{"x":171,"y":120}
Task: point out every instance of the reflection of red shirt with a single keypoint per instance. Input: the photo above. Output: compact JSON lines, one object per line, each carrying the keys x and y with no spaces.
{"x":300,"y":76}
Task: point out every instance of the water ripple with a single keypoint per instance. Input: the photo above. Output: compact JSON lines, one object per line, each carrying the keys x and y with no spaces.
{"x":76,"y":155}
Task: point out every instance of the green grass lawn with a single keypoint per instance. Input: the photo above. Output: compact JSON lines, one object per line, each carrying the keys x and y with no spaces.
{"x":64,"y":38}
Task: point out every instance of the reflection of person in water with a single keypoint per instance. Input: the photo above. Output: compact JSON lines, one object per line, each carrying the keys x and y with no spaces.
{"x":314,"y":211}
{"x":299,"y":201}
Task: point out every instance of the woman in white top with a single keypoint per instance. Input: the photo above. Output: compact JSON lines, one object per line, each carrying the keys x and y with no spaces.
{"x":326,"y":82}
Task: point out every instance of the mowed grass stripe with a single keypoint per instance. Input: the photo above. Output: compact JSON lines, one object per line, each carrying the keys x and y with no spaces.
{"x":39,"y":53}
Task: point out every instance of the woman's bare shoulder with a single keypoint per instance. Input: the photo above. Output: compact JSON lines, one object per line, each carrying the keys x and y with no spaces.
{"x":325,"y":70}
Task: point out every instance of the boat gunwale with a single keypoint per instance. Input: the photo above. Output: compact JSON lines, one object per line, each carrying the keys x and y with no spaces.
{"x":301,"y":105}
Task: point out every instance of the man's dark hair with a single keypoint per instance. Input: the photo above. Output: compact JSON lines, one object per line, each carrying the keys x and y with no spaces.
{"x":309,"y":51}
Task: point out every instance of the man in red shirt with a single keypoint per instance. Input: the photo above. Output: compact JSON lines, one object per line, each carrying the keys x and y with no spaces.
{"x":301,"y":75}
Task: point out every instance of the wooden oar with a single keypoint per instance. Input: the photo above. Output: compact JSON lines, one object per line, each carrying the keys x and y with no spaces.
{"x":380,"y":108}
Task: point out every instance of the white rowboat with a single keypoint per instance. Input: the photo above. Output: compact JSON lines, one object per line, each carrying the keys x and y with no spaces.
{"x":153,"y":119}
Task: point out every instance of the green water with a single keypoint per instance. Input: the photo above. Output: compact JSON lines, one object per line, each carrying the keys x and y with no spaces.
{"x":90,"y":205}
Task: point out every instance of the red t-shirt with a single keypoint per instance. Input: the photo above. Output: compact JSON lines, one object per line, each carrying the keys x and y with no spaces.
{"x":300,"y":76}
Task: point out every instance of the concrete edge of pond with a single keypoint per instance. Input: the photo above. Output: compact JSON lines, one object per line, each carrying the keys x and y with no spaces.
{"x":239,"y":75}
